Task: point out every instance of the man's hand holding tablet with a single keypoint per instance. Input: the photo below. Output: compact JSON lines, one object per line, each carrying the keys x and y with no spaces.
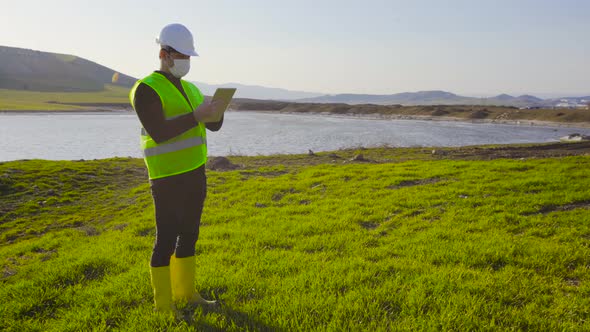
{"x":213,"y":111}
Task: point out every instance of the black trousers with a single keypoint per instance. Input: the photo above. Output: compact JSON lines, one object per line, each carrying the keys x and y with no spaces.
{"x":178,"y":200}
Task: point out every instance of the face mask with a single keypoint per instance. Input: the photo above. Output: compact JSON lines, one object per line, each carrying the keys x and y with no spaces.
{"x":181,"y":67}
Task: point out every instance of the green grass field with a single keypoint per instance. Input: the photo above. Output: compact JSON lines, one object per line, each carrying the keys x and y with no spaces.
{"x":15,"y":100}
{"x":290,"y":245}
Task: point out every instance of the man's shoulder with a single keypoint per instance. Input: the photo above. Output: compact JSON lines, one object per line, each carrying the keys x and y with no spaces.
{"x":143,"y":91}
{"x":154,"y":77}
{"x":143,"y":87}
{"x":155,"y":82}
{"x":191,"y":84}
{"x":193,"y":88}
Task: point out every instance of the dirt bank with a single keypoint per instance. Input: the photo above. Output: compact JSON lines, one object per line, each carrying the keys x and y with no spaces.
{"x":477,"y":114}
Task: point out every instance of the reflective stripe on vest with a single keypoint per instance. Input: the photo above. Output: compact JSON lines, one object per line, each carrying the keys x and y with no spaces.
{"x":176,"y":146}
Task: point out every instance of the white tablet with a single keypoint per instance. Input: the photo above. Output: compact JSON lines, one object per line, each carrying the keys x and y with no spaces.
{"x":224,"y":97}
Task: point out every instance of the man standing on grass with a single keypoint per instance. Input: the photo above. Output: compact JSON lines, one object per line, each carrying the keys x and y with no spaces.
{"x":174,"y":117}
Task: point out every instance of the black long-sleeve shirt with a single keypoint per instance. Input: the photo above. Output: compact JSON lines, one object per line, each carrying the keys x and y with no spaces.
{"x":151,"y":115}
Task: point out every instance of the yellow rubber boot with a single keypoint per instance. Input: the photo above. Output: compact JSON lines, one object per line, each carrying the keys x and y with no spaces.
{"x":162,"y":289}
{"x":183,"y":281}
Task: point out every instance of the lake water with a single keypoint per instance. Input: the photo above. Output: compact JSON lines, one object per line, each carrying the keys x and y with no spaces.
{"x":75,"y":136}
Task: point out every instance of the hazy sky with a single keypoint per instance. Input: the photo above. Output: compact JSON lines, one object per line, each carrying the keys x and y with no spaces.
{"x":474,"y":47}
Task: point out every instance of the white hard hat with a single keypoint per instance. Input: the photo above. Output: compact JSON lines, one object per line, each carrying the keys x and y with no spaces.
{"x":178,"y":37}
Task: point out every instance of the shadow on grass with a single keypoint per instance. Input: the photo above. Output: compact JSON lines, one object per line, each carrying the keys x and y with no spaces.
{"x":241,"y":320}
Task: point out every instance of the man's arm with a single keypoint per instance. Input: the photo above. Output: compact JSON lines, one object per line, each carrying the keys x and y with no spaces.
{"x":151,"y":115}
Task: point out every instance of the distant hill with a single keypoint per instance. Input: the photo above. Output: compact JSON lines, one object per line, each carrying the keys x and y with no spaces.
{"x":442,"y":98}
{"x":24,"y":69}
{"x":508,"y":100}
{"x":405,"y":98}
{"x":425,"y":98}
{"x":257,"y":92}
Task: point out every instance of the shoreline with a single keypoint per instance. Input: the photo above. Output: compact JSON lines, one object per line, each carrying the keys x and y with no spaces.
{"x":375,"y":116}
{"x":528,"y":123}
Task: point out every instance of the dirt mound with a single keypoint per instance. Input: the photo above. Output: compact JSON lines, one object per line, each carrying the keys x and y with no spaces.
{"x":439,"y":112}
{"x":221,"y":164}
{"x":479,"y":114}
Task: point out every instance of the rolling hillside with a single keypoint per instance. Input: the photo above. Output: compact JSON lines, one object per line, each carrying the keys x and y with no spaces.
{"x":24,"y":69}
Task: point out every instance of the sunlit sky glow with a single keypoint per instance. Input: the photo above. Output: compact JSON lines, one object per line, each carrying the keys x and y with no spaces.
{"x":470,"y":47}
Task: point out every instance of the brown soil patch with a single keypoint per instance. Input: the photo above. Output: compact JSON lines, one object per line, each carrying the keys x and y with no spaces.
{"x":479,"y":114}
{"x":566,"y":207}
{"x":409,"y":183}
{"x":515,"y":152}
{"x":368,"y":225}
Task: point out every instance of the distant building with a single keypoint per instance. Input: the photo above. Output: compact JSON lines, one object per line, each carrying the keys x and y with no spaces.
{"x":571,"y":105}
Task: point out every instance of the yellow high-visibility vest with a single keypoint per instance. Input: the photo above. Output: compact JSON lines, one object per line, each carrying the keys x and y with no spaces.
{"x":184,"y":152}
